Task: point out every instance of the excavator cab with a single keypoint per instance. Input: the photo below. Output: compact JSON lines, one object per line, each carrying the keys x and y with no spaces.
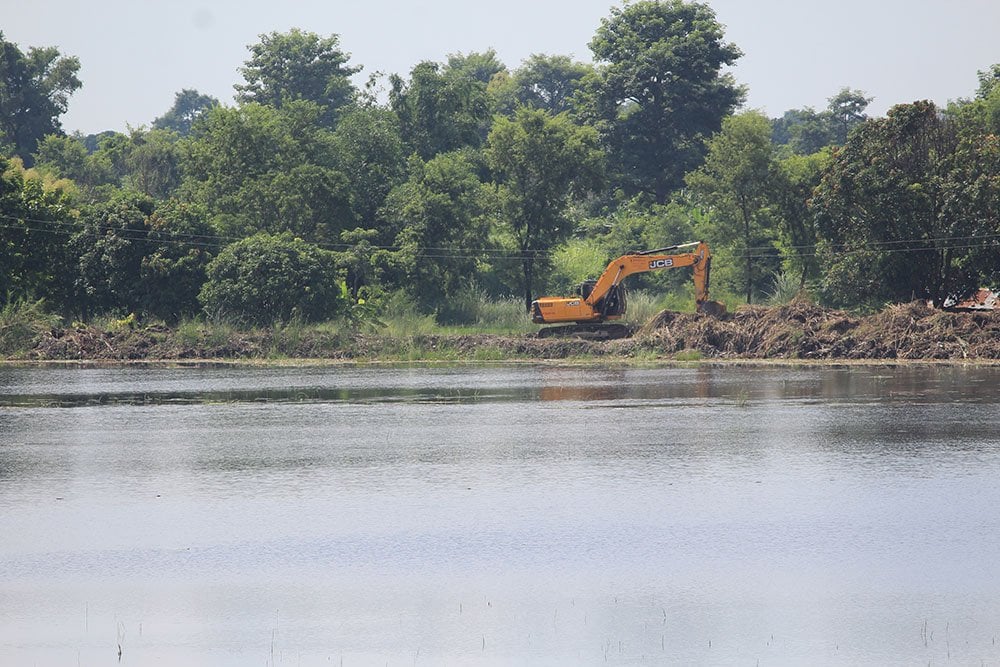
{"x":585,"y":288}
{"x":612,"y":306}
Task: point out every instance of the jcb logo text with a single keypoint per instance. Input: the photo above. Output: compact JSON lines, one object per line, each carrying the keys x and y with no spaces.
{"x":661,"y":263}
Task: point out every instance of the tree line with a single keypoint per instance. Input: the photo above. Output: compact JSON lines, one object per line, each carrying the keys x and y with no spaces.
{"x":315,"y":198}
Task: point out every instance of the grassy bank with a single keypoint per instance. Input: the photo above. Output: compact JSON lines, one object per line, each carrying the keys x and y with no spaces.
{"x":797,"y":331}
{"x":493,"y":330}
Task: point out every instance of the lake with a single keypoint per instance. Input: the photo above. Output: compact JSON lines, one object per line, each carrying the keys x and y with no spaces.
{"x":498,"y":515}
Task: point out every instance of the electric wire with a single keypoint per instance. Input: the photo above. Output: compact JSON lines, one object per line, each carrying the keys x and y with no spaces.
{"x":933,"y":244}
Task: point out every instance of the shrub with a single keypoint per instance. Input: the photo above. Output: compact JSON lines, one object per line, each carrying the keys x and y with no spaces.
{"x":21,"y":323}
{"x":265,"y":279}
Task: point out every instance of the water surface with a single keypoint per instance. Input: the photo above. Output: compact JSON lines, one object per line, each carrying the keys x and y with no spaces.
{"x":499,"y":515}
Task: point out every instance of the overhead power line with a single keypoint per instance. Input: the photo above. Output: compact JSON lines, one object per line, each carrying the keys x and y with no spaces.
{"x":68,"y":228}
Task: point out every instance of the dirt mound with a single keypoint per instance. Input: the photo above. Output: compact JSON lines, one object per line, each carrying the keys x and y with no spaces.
{"x":805,"y":331}
{"x":796,"y":331}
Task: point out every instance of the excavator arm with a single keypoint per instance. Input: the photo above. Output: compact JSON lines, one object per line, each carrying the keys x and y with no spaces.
{"x":606,"y":299}
{"x":654,"y":260}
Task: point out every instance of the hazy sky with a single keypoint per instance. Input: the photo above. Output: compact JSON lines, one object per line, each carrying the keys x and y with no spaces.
{"x":136,"y":54}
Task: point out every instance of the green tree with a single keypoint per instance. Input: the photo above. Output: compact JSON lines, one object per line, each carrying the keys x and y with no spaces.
{"x":846,"y":110}
{"x":660,"y":91}
{"x":265,"y":279}
{"x":441,"y":108}
{"x":188,"y":106}
{"x":989,"y":79}
{"x":179,"y":246}
{"x":152,"y":162}
{"x":256,"y":168}
{"x":37,"y":214}
{"x":734,"y":183}
{"x":369,"y":152}
{"x":803,"y":131}
{"x":34,"y":91}
{"x":549,"y":82}
{"x":481,"y":66}
{"x":538,"y":161}
{"x":441,"y":214}
{"x":795,"y":179}
{"x":908,"y":209}
{"x":62,"y":156}
{"x":298,"y":65}
{"x":110,"y":246}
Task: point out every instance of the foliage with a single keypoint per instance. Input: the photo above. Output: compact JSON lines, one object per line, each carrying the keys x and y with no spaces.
{"x":22,"y":321}
{"x":734,"y":183}
{"x":989,"y":79}
{"x":36,"y":217}
{"x":34,"y":91}
{"x":659,"y":90}
{"x":792,"y":186}
{"x":549,"y":82}
{"x":256,"y":168}
{"x":265,"y":279}
{"x":907,"y":209}
{"x":298,"y":65}
{"x":172,"y":270}
{"x":369,"y":152}
{"x":110,"y":247}
{"x":538,"y":161}
{"x":441,"y":217}
{"x":189,"y":105}
{"x":784,"y":289}
{"x":63,"y":157}
{"x":806,"y":131}
{"x":441,"y":108}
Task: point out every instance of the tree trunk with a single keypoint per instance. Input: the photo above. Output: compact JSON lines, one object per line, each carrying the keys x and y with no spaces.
{"x":746,"y":238}
{"x":527,"y":264}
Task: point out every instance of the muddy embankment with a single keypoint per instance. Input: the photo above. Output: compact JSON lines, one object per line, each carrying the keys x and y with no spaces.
{"x":796,"y":331}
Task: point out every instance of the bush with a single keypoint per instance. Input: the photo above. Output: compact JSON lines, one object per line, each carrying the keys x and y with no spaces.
{"x":265,"y":279}
{"x":21,"y":323}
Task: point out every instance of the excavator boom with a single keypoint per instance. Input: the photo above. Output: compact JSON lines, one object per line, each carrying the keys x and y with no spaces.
{"x":604,"y":299}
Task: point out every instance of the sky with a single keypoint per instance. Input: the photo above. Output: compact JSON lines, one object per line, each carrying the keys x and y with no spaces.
{"x":137,"y":54}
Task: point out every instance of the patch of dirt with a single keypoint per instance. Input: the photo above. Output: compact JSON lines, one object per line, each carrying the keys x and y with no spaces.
{"x":806,"y":331}
{"x":795,"y":331}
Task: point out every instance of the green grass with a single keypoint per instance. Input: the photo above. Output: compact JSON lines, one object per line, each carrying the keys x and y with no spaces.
{"x":22,"y":321}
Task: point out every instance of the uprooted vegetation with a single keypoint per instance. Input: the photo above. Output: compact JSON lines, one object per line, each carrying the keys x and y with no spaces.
{"x":805,"y":331}
{"x":796,"y":331}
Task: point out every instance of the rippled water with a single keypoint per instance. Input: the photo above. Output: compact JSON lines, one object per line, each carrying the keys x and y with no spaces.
{"x":499,"y":515}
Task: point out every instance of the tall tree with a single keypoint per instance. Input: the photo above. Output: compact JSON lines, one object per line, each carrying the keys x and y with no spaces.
{"x":36,"y":217}
{"x":369,"y":151}
{"x":734,"y":182}
{"x":660,"y":90}
{"x":550,"y":82}
{"x":298,"y":65}
{"x":909,"y":208}
{"x":257,"y":168}
{"x":989,"y":79}
{"x":188,"y":106}
{"x":441,"y":108}
{"x":441,"y":217}
{"x":538,"y":161}
{"x":34,"y":91}
{"x":847,"y":109}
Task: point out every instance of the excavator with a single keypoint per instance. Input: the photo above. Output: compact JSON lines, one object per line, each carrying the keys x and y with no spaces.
{"x":601,"y":300}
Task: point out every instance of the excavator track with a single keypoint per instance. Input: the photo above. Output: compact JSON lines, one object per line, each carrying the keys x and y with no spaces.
{"x":599,"y":331}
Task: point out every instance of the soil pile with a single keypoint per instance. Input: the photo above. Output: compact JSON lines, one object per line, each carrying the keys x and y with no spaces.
{"x":795,"y":331}
{"x":806,"y":331}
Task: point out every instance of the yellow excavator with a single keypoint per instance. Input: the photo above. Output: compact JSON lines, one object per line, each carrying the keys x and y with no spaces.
{"x":599,"y":301}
